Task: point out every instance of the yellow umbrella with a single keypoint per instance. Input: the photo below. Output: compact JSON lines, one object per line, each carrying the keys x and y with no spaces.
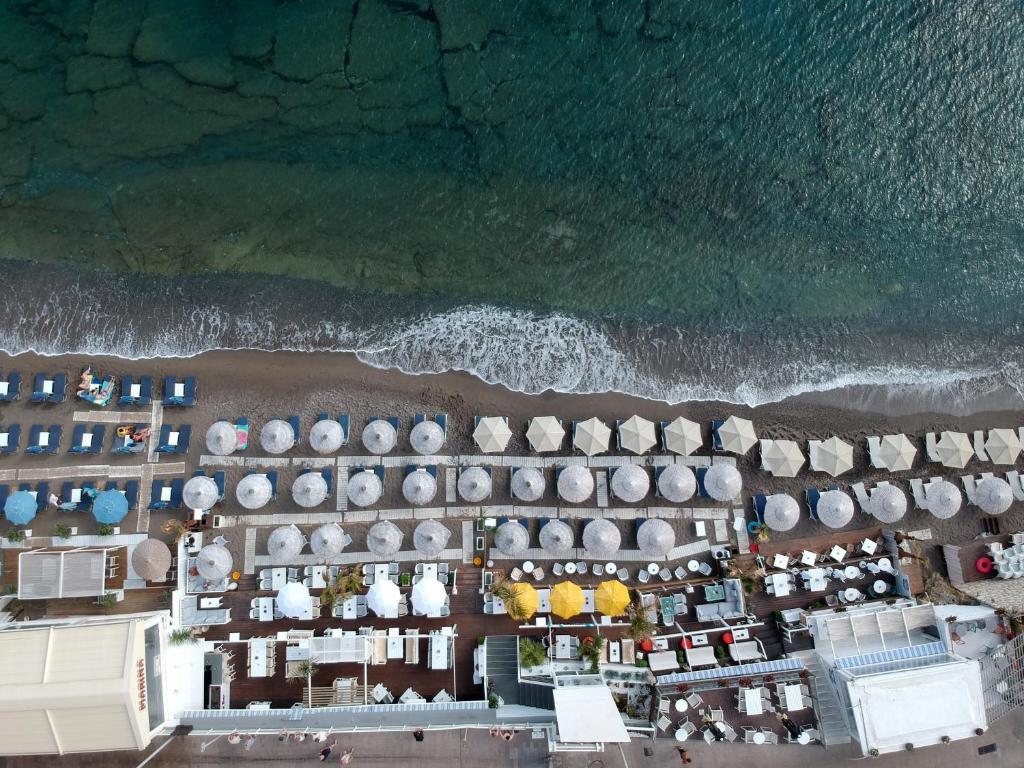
{"x":525,"y":598}
{"x":611,"y":598}
{"x":566,"y":600}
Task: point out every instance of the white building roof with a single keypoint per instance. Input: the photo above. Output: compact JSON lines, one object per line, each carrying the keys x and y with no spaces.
{"x":61,"y":573}
{"x":587,"y":714}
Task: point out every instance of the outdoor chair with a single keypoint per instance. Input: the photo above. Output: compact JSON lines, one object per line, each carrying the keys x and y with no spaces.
{"x":597,"y":569}
{"x":748,"y":734}
{"x":730,"y":732}
{"x":643,"y":576}
{"x":664,"y":723}
{"x":515,"y":574}
{"x":716,"y":714}
{"x":680,"y":573}
{"x":665,"y":705}
{"x":687,"y":727}
{"x":694,"y":700}
{"x":557,"y":569}
{"x":622,"y":574}
{"x":709,"y":737}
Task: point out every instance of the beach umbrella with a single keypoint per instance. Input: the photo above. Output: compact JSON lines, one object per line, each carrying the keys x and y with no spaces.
{"x":566,"y":599}
{"x":20,"y":508}
{"x":781,"y":512}
{"x":419,"y":487}
{"x":556,"y":538}
{"x":285,"y":543}
{"x":677,"y":483}
{"x":326,"y":436}
{"x":428,"y":596}
{"x":221,"y":438}
{"x":681,"y":436}
{"x":277,"y":436}
{"x":328,"y":540}
{"x":895,"y":453}
{"x":575,"y":484}
{"x":630,"y":483}
{"x":528,"y":484}
{"x":214,"y":562}
{"x":835,"y":509}
{"x":637,"y":435}
{"x":474,"y":484}
{"x":833,"y":456}
{"x":110,"y":507}
{"x":736,"y":435}
{"x":384,"y":539}
{"x":364,"y":488}
{"x":655,"y":537}
{"x":492,"y":434}
{"x":512,"y":538}
{"x":993,"y":495}
{"x":943,"y":499}
{"x":601,"y":538}
{"x":1002,"y":446}
{"x":200,"y":492}
{"x":525,"y":598}
{"x":591,"y":436}
{"x":309,"y":489}
{"x":888,"y":503}
{"x":723,"y":482}
{"x":426,"y":437}
{"x":954,"y":449}
{"x":782,"y":458}
{"x":151,"y":560}
{"x":383,"y":597}
{"x":430,"y":538}
{"x":611,"y":598}
{"x":293,"y":600}
{"x":545,"y":433}
{"x":254,"y":491}
{"x":379,"y":437}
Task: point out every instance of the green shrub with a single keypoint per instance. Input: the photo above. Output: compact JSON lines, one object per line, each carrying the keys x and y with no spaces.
{"x":531,"y":653}
{"x":105,"y":530}
{"x":62,"y":531}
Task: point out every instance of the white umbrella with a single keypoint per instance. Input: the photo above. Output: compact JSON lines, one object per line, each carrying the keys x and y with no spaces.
{"x":592,"y":436}
{"x":943,"y":499}
{"x":254,"y":491}
{"x":782,"y":458}
{"x":309,"y":489}
{"x":677,"y":483}
{"x":214,"y":562}
{"x":1002,"y":446}
{"x":221,"y":438}
{"x":888,"y":503}
{"x":781,"y":512}
{"x":326,"y":436}
{"x":200,"y":492}
{"x":492,"y":434}
{"x":630,"y":483}
{"x":528,"y":484}
{"x":428,"y":596}
{"x":637,"y":435}
{"x":151,"y":559}
{"x":379,"y":437}
{"x":575,"y":484}
{"x":545,"y":433}
{"x":430,"y":538}
{"x":556,"y":538}
{"x":954,"y":449}
{"x":835,"y":509}
{"x":364,"y":488}
{"x":993,"y":495}
{"x":511,"y":538}
{"x":833,"y":456}
{"x":293,"y":600}
{"x":655,"y":537}
{"x":285,"y":543}
{"x":419,"y":487}
{"x":895,"y":453}
{"x":737,"y":435}
{"x":681,"y":436}
{"x":328,"y":539}
{"x":474,"y":484}
{"x":601,"y":539}
{"x":277,"y":436}
{"x":383,"y":597}
{"x":723,"y":482}
{"x":384,"y":538}
{"x":427,"y":437}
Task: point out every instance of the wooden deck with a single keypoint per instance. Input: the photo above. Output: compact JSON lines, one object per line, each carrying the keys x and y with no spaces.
{"x":970,"y":551}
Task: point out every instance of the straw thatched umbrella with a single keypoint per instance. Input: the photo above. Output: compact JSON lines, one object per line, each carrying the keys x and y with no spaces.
{"x":591,"y":436}
{"x":833,"y":456}
{"x":293,"y":600}
{"x":782,"y":458}
{"x":384,"y":539}
{"x":655,"y":537}
{"x":1002,"y":446}
{"x":254,"y":491}
{"x":492,"y":434}
{"x":474,"y":484}
{"x":214,"y":562}
{"x":676,"y":483}
{"x":328,"y":540}
{"x":723,"y":482}
{"x":895,"y":453}
{"x":379,"y":437}
{"x":575,"y":484}
{"x":309,"y":489}
{"x":430,"y":538}
{"x":781,"y":512}
{"x":277,"y":436}
{"x":512,"y":538}
{"x":993,"y":495}
{"x":364,"y":488}
{"x":426,"y":437}
{"x":326,"y":436}
{"x":428,"y":596}
{"x":943,"y":499}
{"x":545,"y":433}
{"x":835,"y":509}
{"x":637,"y":435}
{"x":221,"y":438}
{"x":528,"y":484}
{"x":151,"y":560}
{"x":419,"y":487}
{"x":556,"y":538}
{"x":200,"y":492}
{"x":601,"y":538}
{"x":285,"y":543}
{"x":737,"y":435}
{"x":888,"y":503}
{"x":681,"y":436}
{"x":383,"y":597}
{"x":630,"y":483}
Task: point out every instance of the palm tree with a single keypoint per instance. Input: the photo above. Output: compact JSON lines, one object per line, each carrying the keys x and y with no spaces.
{"x":505,"y":591}
{"x":305,"y":670}
{"x":176,"y":529}
{"x":181,"y":636}
{"x":640,"y":627}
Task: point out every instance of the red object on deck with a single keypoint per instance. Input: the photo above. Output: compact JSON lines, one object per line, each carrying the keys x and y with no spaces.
{"x":754,"y":548}
{"x":647,"y":646}
{"x":984,"y":564}
{"x":686,"y":643}
{"x":727,"y":638}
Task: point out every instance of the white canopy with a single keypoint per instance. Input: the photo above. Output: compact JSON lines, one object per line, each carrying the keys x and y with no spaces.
{"x":384,"y":538}
{"x":944,"y":499}
{"x":383,"y":597}
{"x":601,"y":538}
{"x":630,"y":483}
{"x":833,"y":456}
{"x":677,"y":483}
{"x":835,"y":509}
{"x":200,"y":492}
{"x":221,"y":438}
{"x":427,"y":437}
{"x":575,"y":484}
{"x":379,"y":437}
{"x":277,"y":436}
{"x":723,"y":482}
{"x":326,"y":436}
{"x":1002,"y":446}
{"x":637,"y":435}
{"x":655,"y":537}
{"x":428,"y":596}
{"x":511,"y":538}
{"x":888,"y":503}
{"x":587,"y":714}
{"x":254,"y":491}
{"x":309,"y":489}
{"x":781,"y":512}
{"x":545,"y":433}
{"x":285,"y":543}
{"x":528,"y":484}
{"x":782,"y":458}
{"x":419,"y":487}
{"x":474,"y":484}
{"x":556,"y":538}
{"x":430,"y":538}
{"x":954,"y":449}
{"x":592,"y":436}
{"x":492,"y":434}
{"x":681,"y":436}
{"x":993,"y":495}
{"x":364,"y":488}
{"x":329,"y":539}
{"x":293,"y":599}
{"x":737,"y":435}
{"x":894,"y":452}
{"x":214,"y":562}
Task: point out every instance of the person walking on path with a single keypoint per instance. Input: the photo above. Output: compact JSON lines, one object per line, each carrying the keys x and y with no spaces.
{"x":418,"y":734}
{"x":684,"y":756}
{"x":326,"y":751}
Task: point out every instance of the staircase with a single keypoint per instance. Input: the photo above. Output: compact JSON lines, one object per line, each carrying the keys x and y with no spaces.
{"x":831,"y":724}
{"x":503,"y":676}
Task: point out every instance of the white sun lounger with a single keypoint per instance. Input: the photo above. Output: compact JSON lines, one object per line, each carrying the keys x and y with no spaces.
{"x":979,"y":445}
{"x":931,"y":447}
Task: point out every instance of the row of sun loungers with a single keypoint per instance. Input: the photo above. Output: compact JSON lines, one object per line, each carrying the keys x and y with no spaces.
{"x":89,"y":440}
{"x":53,"y":388}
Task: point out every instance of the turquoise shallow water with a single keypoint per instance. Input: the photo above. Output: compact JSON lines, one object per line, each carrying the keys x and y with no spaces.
{"x":739,"y":200}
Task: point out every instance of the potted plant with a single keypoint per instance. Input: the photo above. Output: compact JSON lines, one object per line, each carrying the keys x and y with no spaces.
{"x":531,"y":653}
{"x":873,"y":752}
{"x":62,"y":531}
{"x":15,"y":535}
{"x":945,"y":740}
{"x":107,"y":600}
{"x":909,"y":747}
{"x":181,"y":636}
{"x":105,"y":530}
{"x":640,"y":627}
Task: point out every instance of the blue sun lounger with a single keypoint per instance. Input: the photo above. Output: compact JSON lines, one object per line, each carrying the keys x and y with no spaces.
{"x":716,"y":439}
{"x":702,"y":491}
{"x":123,"y":446}
{"x":181,"y":394}
{"x":5,"y":491}
{"x":136,"y":392}
{"x":218,"y":479}
{"x":47,"y":390}
{"x":343,"y":419}
{"x":11,"y":440}
{"x":42,"y":490}
{"x":83,"y":441}
{"x":85,"y":500}
{"x":157,"y":499}
{"x":172,"y":441}
{"x":43,"y":440}
{"x":272,"y":477}
{"x":10,"y":389}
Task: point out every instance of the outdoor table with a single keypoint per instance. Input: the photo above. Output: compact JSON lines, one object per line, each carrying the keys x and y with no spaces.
{"x":737,"y":634}
{"x":714,"y":592}
{"x":48,"y":387}
{"x":179,"y":390}
{"x":563,"y":648}
{"x":681,"y":734}
{"x":614,"y":652}
{"x":681,"y":704}
{"x":438,"y":651}
{"x":258,"y":658}
{"x":816,"y":581}
{"x":528,"y":566}
{"x":197,"y":514}
{"x":570,"y":569}
{"x":348,"y":608}
{"x":881,"y":587}
{"x":135,"y":390}
{"x":780,"y":561}
{"x":803,"y":738}
{"x":266,"y":609}
{"x":196,"y":545}
{"x":44,"y":439}
{"x":172,"y":438}
{"x":884,"y":564}
{"x":837,"y":553}
{"x":808,"y":558}
{"x":693,"y":566}
{"x":780,"y":583}
{"x":3,"y":388}
{"x":653,"y":568}
{"x":610,"y":568}
{"x":380,"y":572}
{"x":87,"y":440}
{"x":317,"y":577}
{"x":852,"y":572}
{"x":752,"y":700}
{"x":396,"y":644}
{"x":4,"y":439}
{"x":851,"y":594}
{"x":759,"y":738}
{"x":430,"y":570}
{"x":868,"y":546}
{"x":76,"y":495}
{"x":165,"y":493}
{"x":588,"y":601}
{"x":278,"y":578}
{"x":543,"y":601}
{"x":698,"y":640}
{"x":794,"y":698}
{"x":208,"y":603}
